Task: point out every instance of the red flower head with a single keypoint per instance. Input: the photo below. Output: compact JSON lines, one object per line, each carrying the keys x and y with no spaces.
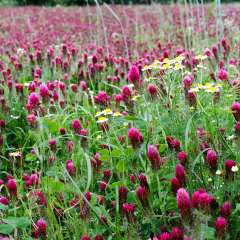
{"x":180,"y":173}
{"x":184,"y":204}
{"x":70,"y":167}
{"x":211,"y":159}
{"x":76,"y":125}
{"x":128,"y":210}
{"x":4,"y":200}
{"x":165,"y":236}
{"x":135,"y":137}
{"x":98,"y":237}
{"x":222,"y":74}
{"x":175,"y":184}
{"x":236,"y":110}
{"x":177,"y":234}
{"x":122,"y":192}
{"x":226,"y":209}
{"x":152,"y":90}
{"x":12,"y":187}
{"x":134,"y":75}
{"x":154,"y":157}
{"x":221,"y":227}
{"x":33,"y":99}
{"x":43,"y":90}
{"x":228,"y":167}
{"x":142,"y":195}
{"x":41,"y":228}
{"x":182,"y":157}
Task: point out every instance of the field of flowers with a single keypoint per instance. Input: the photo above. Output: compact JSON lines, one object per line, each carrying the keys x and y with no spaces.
{"x":120,"y":122}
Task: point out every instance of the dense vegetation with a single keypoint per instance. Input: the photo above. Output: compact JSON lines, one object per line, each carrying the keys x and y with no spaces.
{"x":120,"y":122}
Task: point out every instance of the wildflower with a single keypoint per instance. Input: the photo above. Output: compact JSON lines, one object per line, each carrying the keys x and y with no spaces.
{"x":152,"y":90}
{"x":180,"y":173}
{"x":70,"y":167}
{"x":103,"y":186}
{"x":154,"y":157}
{"x":142,"y":195}
{"x":226,"y":210}
{"x":165,"y":236}
{"x":182,"y":157}
{"x":177,"y":234}
{"x":234,"y":169}
{"x":76,"y":125}
{"x":122,"y":192}
{"x":33,"y":99}
{"x":102,"y":120}
{"x":237,"y":128}
{"x":222,"y":74}
{"x":221,"y":227}
{"x":43,"y":90}
{"x":187,"y":82}
{"x":143,"y":180}
{"x":41,"y":228}
{"x":132,"y":178}
{"x":102,"y":98}
{"x":236,"y":110}
{"x":126,"y":93}
{"x":135,"y":137}
{"x":12,"y":187}
{"x":128,"y":210}
{"x":175,"y":184}
{"x":98,"y":237}
{"x":211,"y":159}
{"x":117,"y":114}
{"x":107,"y":174}
{"x":134,"y":76}
{"x":107,"y":111}
{"x":184,"y":204}
{"x":53,"y":144}
{"x":4,"y":200}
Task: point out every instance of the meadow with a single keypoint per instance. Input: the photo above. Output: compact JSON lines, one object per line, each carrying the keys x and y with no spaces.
{"x":120,"y":122}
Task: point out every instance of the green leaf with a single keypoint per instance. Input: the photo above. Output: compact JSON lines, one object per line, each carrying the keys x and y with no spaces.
{"x":51,"y":125}
{"x":53,"y":186}
{"x":17,"y":222}
{"x":104,"y":155}
{"x":121,"y":166}
{"x":3,"y":207}
{"x":162,"y":148}
{"x":30,"y":157}
{"x":116,"y":153}
{"x":6,"y":229}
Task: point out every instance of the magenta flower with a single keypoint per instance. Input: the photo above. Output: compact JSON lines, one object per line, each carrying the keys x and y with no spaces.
{"x":41,"y":228}
{"x":184,"y":204}
{"x":180,"y":173}
{"x":211,"y":159}
{"x":134,"y":75}
{"x":142,"y":194}
{"x":76,"y":125}
{"x":70,"y":167}
{"x":175,"y":184}
{"x":221,"y":227}
{"x":236,"y":110}
{"x":182,"y":157}
{"x":226,"y":209}
{"x":223,"y":74}
{"x":33,"y":99}
{"x":154,"y":157}
{"x":12,"y":187}
{"x":135,"y":137}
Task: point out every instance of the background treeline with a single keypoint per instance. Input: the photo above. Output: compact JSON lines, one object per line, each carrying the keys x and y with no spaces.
{"x":92,"y":2}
